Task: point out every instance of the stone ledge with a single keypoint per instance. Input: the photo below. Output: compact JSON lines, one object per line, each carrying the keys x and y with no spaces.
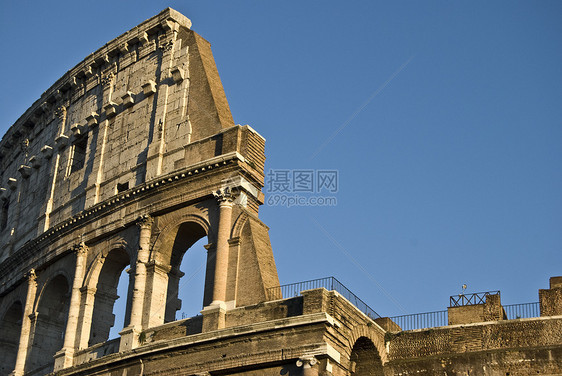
{"x":222,"y":334}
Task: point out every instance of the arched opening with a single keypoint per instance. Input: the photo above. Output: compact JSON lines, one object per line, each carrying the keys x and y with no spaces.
{"x":10,"y":328}
{"x":187,"y":285}
{"x":112,"y":277}
{"x":50,"y":324}
{"x":365,"y":359}
{"x":192,"y":283}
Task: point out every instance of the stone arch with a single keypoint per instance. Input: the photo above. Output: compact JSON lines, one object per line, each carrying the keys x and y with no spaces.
{"x":238,"y":225}
{"x":377,"y":339}
{"x":10,"y":327}
{"x":92,"y":273}
{"x":364,"y":359}
{"x":167,"y":231}
{"x":50,"y":319}
{"x":178,"y":232}
{"x":53,"y":275}
{"x":103,"y":280}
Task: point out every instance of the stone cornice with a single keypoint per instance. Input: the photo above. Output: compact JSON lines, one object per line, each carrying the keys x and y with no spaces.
{"x":59,"y":230}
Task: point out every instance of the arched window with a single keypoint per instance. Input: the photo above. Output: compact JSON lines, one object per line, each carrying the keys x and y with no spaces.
{"x":103,"y":318}
{"x":50,"y":325}
{"x":186,"y":279}
{"x":10,"y":328}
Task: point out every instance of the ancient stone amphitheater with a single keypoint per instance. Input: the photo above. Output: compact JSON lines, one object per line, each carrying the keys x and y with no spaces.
{"x":127,"y":161}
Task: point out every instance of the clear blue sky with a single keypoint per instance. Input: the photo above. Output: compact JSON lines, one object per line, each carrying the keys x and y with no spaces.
{"x":449,"y":114}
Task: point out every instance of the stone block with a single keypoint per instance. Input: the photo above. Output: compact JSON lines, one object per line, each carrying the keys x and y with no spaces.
{"x":128,"y":99}
{"x":149,"y":88}
{"x":178,"y":74}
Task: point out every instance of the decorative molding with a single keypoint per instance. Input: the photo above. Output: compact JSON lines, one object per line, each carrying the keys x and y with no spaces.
{"x":307,"y":361}
{"x":145,"y":221}
{"x":31,"y":275}
{"x":107,"y":79}
{"x":167,"y":46}
{"x":123,"y":48}
{"x":224,"y":195}
{"x":60,"y":112}
{"x":88,"y":71}
{"x":80,"y":248}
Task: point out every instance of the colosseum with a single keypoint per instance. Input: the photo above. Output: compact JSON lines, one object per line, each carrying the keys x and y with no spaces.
{"x":127,"y":161}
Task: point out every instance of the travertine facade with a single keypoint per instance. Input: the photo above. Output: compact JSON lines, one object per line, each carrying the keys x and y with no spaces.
{"x":126,"y":162}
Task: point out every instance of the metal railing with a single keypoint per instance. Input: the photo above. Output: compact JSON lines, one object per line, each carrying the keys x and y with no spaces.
{"x":470,"y":299}
{"x":421,"y":320}
{"x":329,"y":283}
{"x":522,"y":311}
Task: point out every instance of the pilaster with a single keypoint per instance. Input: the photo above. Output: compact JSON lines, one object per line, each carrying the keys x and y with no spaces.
{"x":144,"y":224}
{"x":27,"y":324}
{"x":64,"y":358}
{"x":166,"y":47}
{"x":225,"y":198}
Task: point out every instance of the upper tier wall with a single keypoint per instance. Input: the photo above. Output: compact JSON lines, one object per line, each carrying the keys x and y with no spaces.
{"x":122,"y":117}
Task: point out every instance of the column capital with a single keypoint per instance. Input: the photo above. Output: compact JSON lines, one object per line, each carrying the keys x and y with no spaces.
{"x":31,"y":276}
{"x":144,"y":221}
{"x":88,"y":290}
{"x":80,"y":248}
{"x":60,"y":112}
{"x":306,"y":361}
{"x":225,"y":196}
{"x":107,"y":79}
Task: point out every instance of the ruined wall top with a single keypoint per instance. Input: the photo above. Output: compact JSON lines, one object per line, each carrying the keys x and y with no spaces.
{"x":146,"y":104}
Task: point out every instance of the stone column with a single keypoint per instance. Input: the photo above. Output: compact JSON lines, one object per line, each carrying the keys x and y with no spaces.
{"x":145,"y":230}
{"x":214,"y":315}
{"x":129,"y":335}
{"x":64,"y":357}
{"x":307,"y":363}
{"x":225,"y":198}
{"x":84,"y":327}
{"x":26,"y":324}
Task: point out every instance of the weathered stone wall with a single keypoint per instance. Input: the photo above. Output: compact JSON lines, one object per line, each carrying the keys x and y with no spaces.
{"x":490,"y":310}
{"x":523,"y":346}
{"x":121,"y":117}
{"x":551,"y":300}
{"x":123,"y":164}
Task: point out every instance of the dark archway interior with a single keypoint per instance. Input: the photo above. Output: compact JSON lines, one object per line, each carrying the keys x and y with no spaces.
{"x":52,"y":312}
{"x":106,"y":294}
{"x":187,"y":235}
{"x":10,"y":328}
{"x":365,"y":359}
